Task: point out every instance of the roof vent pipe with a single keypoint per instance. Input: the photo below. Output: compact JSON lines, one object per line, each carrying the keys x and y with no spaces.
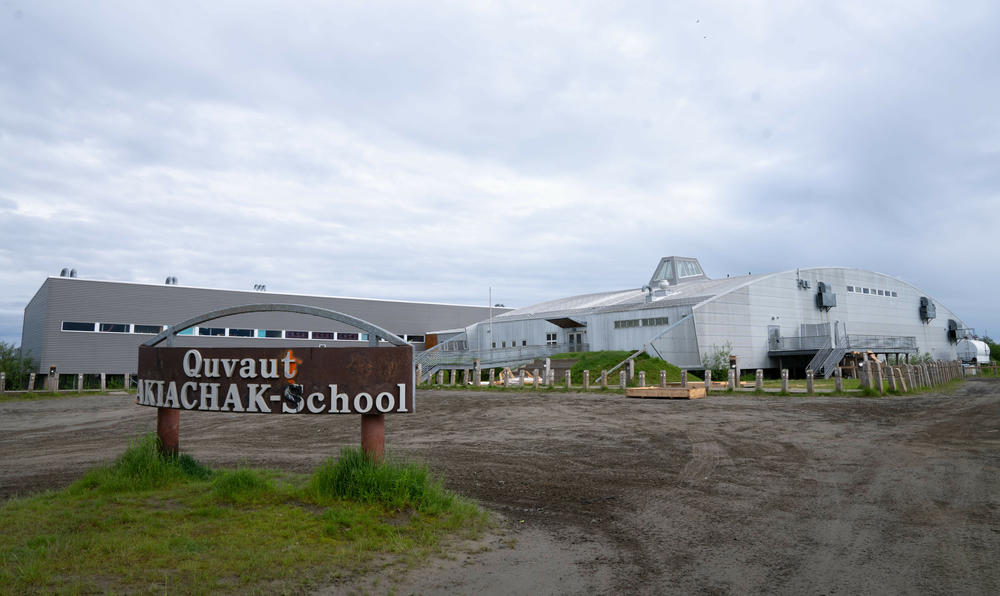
{"x":64,"y":272}
{"x":72,"y":272}
{"x":649,"y":292}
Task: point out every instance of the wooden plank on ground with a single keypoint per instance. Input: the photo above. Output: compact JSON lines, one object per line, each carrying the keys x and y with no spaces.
{"x":667,"y":392}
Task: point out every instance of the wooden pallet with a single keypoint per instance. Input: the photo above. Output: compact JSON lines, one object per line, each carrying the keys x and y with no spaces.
{"x":690,"y":392}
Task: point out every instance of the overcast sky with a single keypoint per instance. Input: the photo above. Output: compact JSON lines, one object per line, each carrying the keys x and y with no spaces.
{"x":431,"y":150}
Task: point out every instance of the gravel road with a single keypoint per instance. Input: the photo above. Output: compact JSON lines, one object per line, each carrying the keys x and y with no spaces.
{"x":599,"y":493}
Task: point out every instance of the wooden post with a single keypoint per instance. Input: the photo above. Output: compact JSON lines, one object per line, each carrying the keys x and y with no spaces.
{"x":631,"y":369}
{"x":663,"y":377}
{"x":784,"y":380}
{"x":79,"y":382}
{"x":520,"y":378}
{"x":732,"y":379}
{"x":838,"y":379}
{"x":758,"y":381}
{"x":569,"y":379}
{"x":621,"y":380}
{"x":168,"y":430}
{"x":586,"y":380}
{"x":891,"y":374}
{"x":492,"y":376}
{"x":373,"y":435}
{"x":877,"y":375}
{"x":708,"y":380}
{"x":534,"y":377}
{"x":684,"y":378}
{"x":3,"y":382}
{"x":478,"y":374}
{"x":441,"y":377}
{"x":604,"y":379}
{"x":642,"y":378}
{"x":31,"y":382}
{"x":420,"y":373}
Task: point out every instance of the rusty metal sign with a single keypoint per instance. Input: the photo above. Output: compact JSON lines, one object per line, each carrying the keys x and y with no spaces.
{"x":285,"y":380}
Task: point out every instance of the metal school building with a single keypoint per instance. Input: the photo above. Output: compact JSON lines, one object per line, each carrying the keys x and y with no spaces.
{"x":83,"y":326}
{"x":806,"y":318}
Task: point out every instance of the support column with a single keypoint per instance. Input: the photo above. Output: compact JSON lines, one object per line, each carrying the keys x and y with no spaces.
{"x":168,"y":430}
{"x":373,"y":435}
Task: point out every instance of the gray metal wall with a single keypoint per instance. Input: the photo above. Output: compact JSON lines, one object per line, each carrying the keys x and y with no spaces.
{"x":740,"y":317}
{"x":81,"y":300}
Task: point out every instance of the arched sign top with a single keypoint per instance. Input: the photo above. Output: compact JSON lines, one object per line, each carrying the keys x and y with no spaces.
{"x":374,"y":331}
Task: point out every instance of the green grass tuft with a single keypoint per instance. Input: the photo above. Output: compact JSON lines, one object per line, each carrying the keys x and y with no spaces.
{"x":393,"y":484}
{"x":142,"y":467}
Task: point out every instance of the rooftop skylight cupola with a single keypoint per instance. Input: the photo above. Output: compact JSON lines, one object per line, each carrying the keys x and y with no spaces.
{"x":676,"y":270}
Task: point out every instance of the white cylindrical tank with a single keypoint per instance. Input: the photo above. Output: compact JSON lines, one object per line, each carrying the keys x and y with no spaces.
{"x":974,"y":351}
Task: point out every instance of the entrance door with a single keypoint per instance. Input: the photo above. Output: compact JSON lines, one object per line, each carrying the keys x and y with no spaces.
{"x":575,"y":341}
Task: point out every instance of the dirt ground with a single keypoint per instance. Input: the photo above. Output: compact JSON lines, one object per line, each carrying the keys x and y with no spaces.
{"x":599,"y":493}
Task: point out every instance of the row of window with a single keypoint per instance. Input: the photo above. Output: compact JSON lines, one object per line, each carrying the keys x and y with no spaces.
{"x":650,"y":322}
{"x":871,"y":291}
{"x":227,"y":332}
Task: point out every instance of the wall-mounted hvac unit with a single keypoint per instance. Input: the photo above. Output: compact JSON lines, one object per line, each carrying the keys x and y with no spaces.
{"x":927,"y":310}
{"x":953,"y":331}
{"x":825,"y":298}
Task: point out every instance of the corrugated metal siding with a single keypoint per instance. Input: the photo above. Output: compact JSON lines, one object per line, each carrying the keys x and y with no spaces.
{"x":33,"y":326}
{"x":101,"y":301}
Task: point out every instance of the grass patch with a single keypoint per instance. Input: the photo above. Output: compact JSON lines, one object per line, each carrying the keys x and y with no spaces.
{"x":595,"y":362}
{"x":168,"y":524}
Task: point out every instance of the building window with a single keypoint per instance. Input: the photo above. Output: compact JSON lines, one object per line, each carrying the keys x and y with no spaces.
{"x":524,"y":342}
{"x":71,"y":326}
{"x":347,"y":336}
{"x":415,"y":338}
{"x":324,"y":335}
{"x":296,"y":335}
{"x":655,"y":321}
{"x":114,"y":328}
{"x":503,"y":344}
{"x":241,"y":333}
{"x":147,"y":329}
{"x":494,"y":346}
{"x":188,"y":331}
{"x":212,"y":331}
{"x":271,"y":333}
{"x":626,"y":323}
{"x":894,"y":295}
{"x":850,"y":288}
{"x":864,"y":290}
{"x":551,"y":339}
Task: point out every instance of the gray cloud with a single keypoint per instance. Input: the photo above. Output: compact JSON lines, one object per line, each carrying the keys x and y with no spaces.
{"x":431,"y":151}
